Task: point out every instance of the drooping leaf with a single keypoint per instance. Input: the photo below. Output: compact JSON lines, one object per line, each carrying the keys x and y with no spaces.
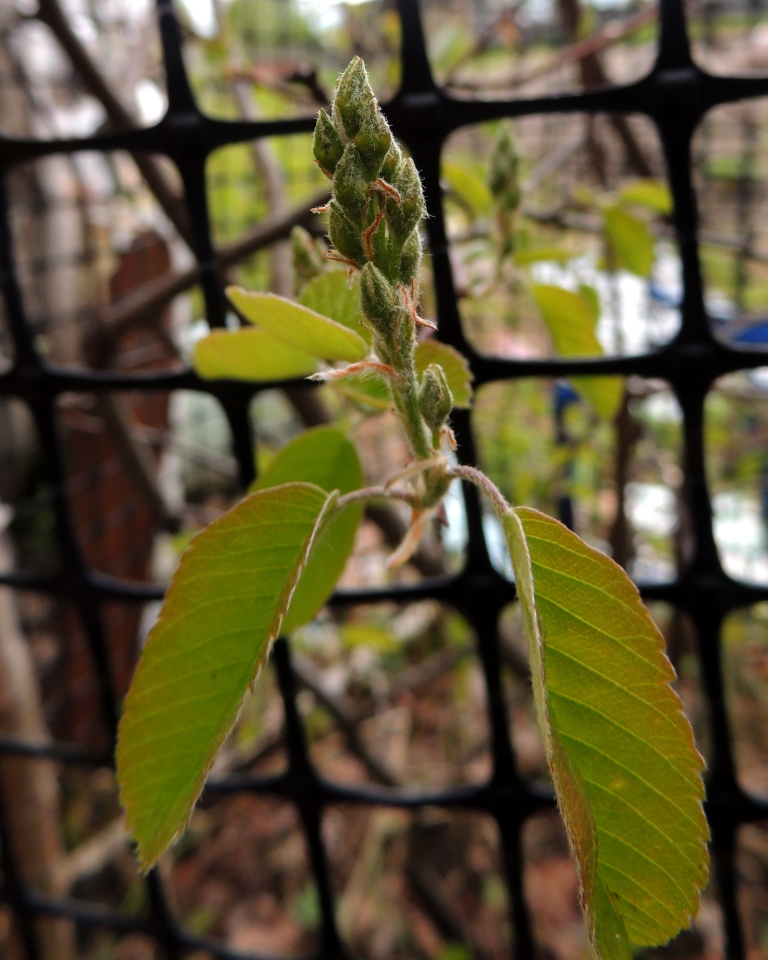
{"x":325,"y":457}
{"x":624,"y":765}
{"x":630,"y":241}
{"x":456,"y":368}
{"x":541,"y":254}
{"x":570,"y":320}
{"x":223,"y":609}
{"x":249,"y":354}
{"x":652,"y":194}
{"x":332,"y":295}
{"x":471,"y":189}
{"x":296,"y":325}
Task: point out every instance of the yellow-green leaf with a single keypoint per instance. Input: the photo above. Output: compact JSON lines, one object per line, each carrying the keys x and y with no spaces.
{"x":249,"y":354}
{"x":223,"y":609}
{"x":325,"y":457}
{"x":624,"y":765}
{"x":296,"y":325}
{"x":470,"y":188}
{"x":570,"y":319}
{"x":630,"y":240}
{"x":455,"y":365}
{"x":333,"y":294}
{"x":652,"y":194}
{"x":540,"y":254}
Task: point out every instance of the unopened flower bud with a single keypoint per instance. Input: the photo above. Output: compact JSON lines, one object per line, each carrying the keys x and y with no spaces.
{"x":435,"y":397}
{"x":326,"y":144}
{"x":378,"y":299}
{"x":354,"y":100}
{"x":403,"y":217}
{"x":410,"y":259}
{"x":373,"y":140}
{"x":391,"y":162}
{"x":345,"y":236}
{"x":350,"y":184}
{"x":307,"y":256}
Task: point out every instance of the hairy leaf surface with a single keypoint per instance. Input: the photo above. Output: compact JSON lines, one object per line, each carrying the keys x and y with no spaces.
{"x":331,"y":294}
{"x":325,"y":457}
{"x":249,"y":355}
{"x":224,"y":607}
{"x":456,"y":368}
{"x":624,"y":765}
{"x":299,"y":327}
{"x":570,"y":319}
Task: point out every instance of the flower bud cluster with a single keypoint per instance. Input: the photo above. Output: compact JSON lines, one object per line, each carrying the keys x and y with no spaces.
{"x":377,"y":204}
{"x":504,"y":183}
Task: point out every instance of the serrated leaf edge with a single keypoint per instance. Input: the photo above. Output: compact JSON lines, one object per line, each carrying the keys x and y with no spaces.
{"x":146,"y":862}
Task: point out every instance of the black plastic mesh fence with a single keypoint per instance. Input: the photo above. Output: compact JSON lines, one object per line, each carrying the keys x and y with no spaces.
{"x":676,"y":95}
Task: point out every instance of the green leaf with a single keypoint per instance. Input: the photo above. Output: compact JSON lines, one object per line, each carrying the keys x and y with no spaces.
{"x":652,"y":194}
{"x":331,"y":295}
{"x":624,"y":765}
{"x":570,"y":319}
{"x":539,"y":254}
{"x":367,"y":635}
{"x":324,"y":457}
{"x":470,"y":189}
{"x":223,"y":609}
{"x":455,"y":365}
{"x":630,"y":240}
{"x":296,"y":325}
{"x":369,"y":393}
{"x":592,"y":299}
{"x":249,"y":355}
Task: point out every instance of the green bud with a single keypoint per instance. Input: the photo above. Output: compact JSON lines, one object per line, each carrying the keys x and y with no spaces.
{"x":391,"y":162}
{"x":350,"y":184}
{"x":326,"y":144}
{"x":410,"y":259}
{"x":503,"y":177}
{"x":373,"y":141}
{"x":344,"y":236}
{"x":307,"y":253}
{"x":435,"y":398}
{"x":379,"y":300}
{"x":353,"y":99}
{"x":403,"y":217}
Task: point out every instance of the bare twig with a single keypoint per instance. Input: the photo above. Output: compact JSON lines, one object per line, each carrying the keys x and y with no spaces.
{"x":610,"y":34}
{"x":51,"y":14}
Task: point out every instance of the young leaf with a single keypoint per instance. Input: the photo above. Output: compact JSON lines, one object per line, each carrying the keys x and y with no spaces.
{"x":249,"y":355}
{"x":325,"y":457}
{"x":539,"y":254}
{"x":296,"y":325}
{"x":368,"y":393}
{"x":652,"y":194}
{"x":456,"y":368}
{"x":570,"y":320}
{"x":470,"y":189}
{"x":223,"y":609}
{"x":630,"y":240}
{"x":332,"y":295}
{"x":625,"y":769}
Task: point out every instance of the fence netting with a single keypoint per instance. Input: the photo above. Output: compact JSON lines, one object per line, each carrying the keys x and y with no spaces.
{"x":362,"y":780}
